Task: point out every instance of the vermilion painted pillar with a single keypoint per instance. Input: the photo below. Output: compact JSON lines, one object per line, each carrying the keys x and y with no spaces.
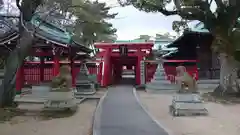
{"x":137,"y":76}
{"x":138,"y":63}
{"x":56,"y":65}
{"x":118,"y":72}
{"x":42,"y":69}
{"x":19,"y":79}
{"x":72,"y":65}
{"x":106,"y":68}
{"x":110,"y":78}
{"x":99,"y":72}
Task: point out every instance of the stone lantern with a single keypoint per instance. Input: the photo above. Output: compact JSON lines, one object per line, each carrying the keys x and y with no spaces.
{"x":159,"y":81}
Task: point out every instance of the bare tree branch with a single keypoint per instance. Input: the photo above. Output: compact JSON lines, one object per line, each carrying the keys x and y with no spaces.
{"x":197,"y":15}
{"x":210,"y":2}
{"x":220,"y":4}
{"x":9,"y":16}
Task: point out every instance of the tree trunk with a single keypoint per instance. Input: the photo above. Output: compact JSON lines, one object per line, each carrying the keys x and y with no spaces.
{"x":228,"y":75}
{"x":14,"y":61}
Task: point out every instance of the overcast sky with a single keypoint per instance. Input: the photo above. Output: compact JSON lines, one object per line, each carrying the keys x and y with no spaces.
{"x":131,"y":22}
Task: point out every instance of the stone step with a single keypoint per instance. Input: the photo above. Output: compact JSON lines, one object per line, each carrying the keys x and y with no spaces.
{"x":160,"y":82}
{"x":84,"y":90}
{"x":159,"y":78}
{"x":159,"y":74}
{"x":206,"y":86}
{"x":208,"y":81}
{"x":84,"y":93}
{"x":162,"y":87}
{"x":172,"y":91}
{"x":88,"y":96}
{"x":29,"y":99}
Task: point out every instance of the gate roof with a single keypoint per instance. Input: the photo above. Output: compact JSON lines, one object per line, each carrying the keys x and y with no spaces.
{"x":146,"y":45}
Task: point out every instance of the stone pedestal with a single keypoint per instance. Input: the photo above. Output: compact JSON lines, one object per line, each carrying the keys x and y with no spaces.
{"x":52,"y":100}
{"x":84,"y":85}
{"x":60,"y":100}
{"x":160,"y":82}
{"x":187,"y":104}
{"x":40,"y":90}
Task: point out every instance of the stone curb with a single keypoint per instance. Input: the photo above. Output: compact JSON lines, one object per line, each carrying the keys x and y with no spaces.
{"x":97,"y":116}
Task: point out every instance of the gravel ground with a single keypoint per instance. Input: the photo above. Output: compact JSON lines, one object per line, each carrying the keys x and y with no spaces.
{"x":78,"y":124}
{"x":222,"y":119}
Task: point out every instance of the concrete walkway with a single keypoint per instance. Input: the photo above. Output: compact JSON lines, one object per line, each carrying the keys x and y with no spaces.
{"x":121,"y":114}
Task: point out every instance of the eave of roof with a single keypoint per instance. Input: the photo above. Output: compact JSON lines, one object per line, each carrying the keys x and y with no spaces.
{"x":46,"y":31}
{"x":185,"y":35}
{"x":81,"y":47}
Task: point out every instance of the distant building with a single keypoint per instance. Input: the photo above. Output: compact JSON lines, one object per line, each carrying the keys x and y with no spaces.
{"x":195,"y":44}
{"x":161,"y":41}
{"x":131,"y":41}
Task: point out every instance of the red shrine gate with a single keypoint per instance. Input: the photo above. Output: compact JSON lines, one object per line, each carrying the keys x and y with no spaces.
{"x":112,"y":62}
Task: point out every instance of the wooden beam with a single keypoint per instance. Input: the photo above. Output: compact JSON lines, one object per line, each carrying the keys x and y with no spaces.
{"x":146,"y":45}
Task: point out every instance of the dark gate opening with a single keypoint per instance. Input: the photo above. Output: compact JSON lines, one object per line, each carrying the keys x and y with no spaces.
{"x":124,"y":70}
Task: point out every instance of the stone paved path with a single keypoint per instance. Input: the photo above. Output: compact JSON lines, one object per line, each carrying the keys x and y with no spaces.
{"x":123,"y":115}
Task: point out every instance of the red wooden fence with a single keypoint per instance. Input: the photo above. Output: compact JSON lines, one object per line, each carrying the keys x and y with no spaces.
{"x":32,"y":72}
{"x":170,"y":71}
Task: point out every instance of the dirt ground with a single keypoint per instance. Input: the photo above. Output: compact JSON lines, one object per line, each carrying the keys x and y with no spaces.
{"x":78,"y":124}
{"x":222,"y":119}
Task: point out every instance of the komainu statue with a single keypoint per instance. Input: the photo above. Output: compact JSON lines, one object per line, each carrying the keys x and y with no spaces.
{"x":63,"y":81}
{"x":185,"y":81}
{"x":61,"y":95}
{"x":187,"y":101}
